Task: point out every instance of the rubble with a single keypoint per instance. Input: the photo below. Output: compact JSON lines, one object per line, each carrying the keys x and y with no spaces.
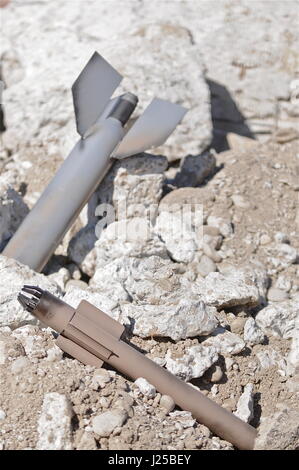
{"x":104,"y":424}
{"x":245,"y":404}
{"x":279,"y":318}
{"x":54,"y":424}
{"x":279,"y":431}
{"x":193,"y":363}
{"x":225,"y":342}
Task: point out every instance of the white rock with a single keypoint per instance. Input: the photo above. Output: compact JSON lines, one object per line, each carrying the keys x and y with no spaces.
{"x":193,"y":364}
{"x":179,"y":238}
{"x":184,"y":418}
{"x":159,"y":305}
{"x":281,"y":255}
{"x":100,"y":378}
{"x":279,"y":431}
{"x":279,"y":318}
{"x":224,"y":226}
{"x":281,"y":237}
{"x":54,"y":354}
{"x":134,"y":237}
{"x":225,"y":342}
{"x":136,"y":195}
{"x":227,"y":290}
{"x":245,"y":404}
{"x":145,"y":387}
{"x":283,"y":283}
{"x":13,"y":276}
{"x":186,"y":318}
{"x":252,"y":333}
{"x":270,"y":358}
{"x":105,"y":423}
{"x":54,"y":424}
{"x":2,"y":415}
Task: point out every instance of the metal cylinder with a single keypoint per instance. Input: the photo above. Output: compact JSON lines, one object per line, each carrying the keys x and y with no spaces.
{"x":66,"y":195}
{"x":223,"y":423}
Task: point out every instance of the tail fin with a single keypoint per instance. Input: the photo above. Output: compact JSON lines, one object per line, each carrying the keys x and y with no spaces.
{"x":92,"y":91}
{"x":152,"y":128}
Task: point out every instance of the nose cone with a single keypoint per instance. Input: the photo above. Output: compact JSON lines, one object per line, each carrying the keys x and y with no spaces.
{"x":29,"y":297}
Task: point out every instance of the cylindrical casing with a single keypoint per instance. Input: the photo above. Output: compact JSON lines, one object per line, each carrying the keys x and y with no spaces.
{"x":223,"y":423}
{"x":65,"y":196}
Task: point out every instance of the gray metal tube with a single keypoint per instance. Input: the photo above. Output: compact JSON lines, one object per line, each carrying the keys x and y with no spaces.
{"x":63,"y":199}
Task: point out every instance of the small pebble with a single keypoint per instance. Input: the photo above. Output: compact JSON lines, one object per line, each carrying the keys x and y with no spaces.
{"x":2,"y":415}
{"x":167,"y":403}
{"x":145,"y":387}
{"x":216,"y":375}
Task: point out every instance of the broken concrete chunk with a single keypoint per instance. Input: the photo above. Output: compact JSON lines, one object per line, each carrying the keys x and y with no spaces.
{"x":54,"y":424}
{"x":279,"y":318}
{"x":225,"y":342}
{"x":279,"y":431}
{"x":227,"y":290}
{"x":252,"y":333}
{"x":245,"y":404}
{"x":193,"y":363}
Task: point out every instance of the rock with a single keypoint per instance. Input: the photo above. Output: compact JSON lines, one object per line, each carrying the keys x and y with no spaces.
{"x":167,"y":403}
{"x":54,"y":424}
{"x":101,"y":377}
{"x":206,"y":266}
{"x":217,"y":374}
{"x":54,"y":354}
{"x":279,"y":431}
{"x":193,"y":364}
{"x":178,"y":235}
{"x":20,"y":364}
{"x":224,"y":226}
{"x":157,"y":295}
{"x":283,"y":283}
{"x":12,"y":211}
{"x":184,"y":319}
{"x":272,"y":358}
{"x":225,"y":342}
{"x":13,"y":276}
{"x":279,"y":318}
{"x":227,"y":290}
{"x":2,"y":415}
{"x":252,"y":333}
{"x":277,"y":295}
{"x":105,"y":423}
{"x":134,"y":237}
{"x":184,"y":418}
{"x":136,"y":195}
{"x":194,"y":169}
{"x":145,"y":387}
{"x":237,"y":325}
{"x":245,"y":404}
{"x":281,"y":255}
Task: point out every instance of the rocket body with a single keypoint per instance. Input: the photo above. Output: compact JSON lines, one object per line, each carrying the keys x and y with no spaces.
{"x":92,"y":337}
{"x":65,"y":196}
